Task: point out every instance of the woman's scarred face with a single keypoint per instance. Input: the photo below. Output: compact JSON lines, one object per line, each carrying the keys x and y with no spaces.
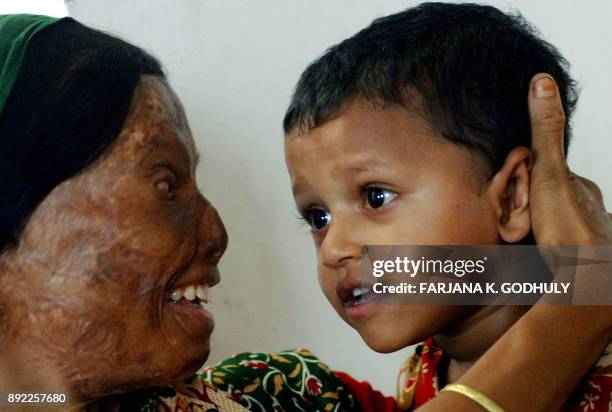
{"x":93,"y":275}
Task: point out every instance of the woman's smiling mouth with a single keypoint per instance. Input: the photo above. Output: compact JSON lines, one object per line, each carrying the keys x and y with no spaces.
{"x":195,"y":295}
{"x":190,"y":295}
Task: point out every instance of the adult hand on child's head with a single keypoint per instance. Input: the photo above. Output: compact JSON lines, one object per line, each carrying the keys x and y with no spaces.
{"x":566,"y":209}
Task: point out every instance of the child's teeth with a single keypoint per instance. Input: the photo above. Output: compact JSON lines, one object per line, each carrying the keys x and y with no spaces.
{"x":359,"y":292}
{"x":190,"y":293}
{"x":176,"y":295}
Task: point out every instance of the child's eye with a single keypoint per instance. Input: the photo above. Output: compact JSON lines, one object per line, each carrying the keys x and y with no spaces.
{"x":378,"y":197}
{"x":317,"y":218}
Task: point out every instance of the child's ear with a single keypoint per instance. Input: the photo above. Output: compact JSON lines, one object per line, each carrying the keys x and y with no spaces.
{"x":509,"y":195}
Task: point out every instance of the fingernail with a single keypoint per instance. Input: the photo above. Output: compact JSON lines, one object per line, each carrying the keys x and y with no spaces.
{"x":544,"y":87}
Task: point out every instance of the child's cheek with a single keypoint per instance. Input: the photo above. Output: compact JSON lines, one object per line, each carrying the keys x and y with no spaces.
{"x":327,"y":281}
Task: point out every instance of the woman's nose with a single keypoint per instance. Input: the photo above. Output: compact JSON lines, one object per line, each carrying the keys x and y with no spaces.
{"x":213,"y":235}
{"x":340,"y":245}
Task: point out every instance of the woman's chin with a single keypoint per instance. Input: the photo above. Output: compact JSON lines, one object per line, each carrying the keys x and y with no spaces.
{"x":185,"y":364}
{"x":187,"y":350}
{"x":194,"y":364}
{"x":194,"y":355}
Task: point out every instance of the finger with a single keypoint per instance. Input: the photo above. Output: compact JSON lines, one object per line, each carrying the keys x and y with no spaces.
{"x":547,"y":125}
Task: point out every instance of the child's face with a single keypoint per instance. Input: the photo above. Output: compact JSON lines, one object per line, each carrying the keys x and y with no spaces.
{"x":380,"y":176}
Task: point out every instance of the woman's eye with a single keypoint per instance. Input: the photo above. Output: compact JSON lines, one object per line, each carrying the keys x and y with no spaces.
{"x":378,"y":197}
{"x":164,"y":186}
{"x":318,"y":218}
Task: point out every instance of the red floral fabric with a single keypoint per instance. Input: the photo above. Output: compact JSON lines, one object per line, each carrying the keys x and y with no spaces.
{"x":293,"y":380}
{"x":367,"y":398}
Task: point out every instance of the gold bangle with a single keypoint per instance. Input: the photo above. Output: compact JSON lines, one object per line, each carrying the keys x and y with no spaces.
{"x":478,"y":397}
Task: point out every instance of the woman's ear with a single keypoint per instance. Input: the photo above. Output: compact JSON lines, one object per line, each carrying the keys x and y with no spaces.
{"x":509,"y":195}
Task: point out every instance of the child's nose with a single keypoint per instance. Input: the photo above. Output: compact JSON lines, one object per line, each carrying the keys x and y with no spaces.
{"x":340,"y":245}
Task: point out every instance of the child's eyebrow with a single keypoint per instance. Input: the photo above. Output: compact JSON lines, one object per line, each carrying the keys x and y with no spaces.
{"x":364,"y":164}
{"x":349,"y":168}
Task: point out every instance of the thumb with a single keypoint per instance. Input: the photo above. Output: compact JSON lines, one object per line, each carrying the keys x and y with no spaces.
{"x":547,"y":125}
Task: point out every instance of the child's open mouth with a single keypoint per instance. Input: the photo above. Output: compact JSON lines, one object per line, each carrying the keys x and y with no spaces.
{"x":360,"y":296}
{"x":356,"y":297}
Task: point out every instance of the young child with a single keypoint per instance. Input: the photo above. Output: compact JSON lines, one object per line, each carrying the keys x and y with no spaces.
{"x":416,"y":131}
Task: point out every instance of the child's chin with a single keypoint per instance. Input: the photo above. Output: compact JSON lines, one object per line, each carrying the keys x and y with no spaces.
{"x":410,"y":326}
{"x":387,"y":342}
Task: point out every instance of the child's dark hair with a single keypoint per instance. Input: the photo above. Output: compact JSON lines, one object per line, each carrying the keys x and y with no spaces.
{"x":66,"y":108}
{"x":469,"y":64}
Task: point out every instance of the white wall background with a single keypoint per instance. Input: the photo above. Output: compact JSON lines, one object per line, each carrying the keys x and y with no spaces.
{"x":234,"y":64}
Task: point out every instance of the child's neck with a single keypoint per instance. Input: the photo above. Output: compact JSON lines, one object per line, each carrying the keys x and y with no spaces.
{"x":468,"y":341}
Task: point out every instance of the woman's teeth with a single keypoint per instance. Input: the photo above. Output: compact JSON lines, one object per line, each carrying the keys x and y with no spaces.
{"x":197,"y":294}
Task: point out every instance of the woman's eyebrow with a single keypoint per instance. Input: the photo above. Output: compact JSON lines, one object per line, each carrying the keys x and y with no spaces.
{"x":163,"y":142}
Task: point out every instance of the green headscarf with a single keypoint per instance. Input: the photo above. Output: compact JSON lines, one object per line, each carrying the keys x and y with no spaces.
{"x":16,"y":31}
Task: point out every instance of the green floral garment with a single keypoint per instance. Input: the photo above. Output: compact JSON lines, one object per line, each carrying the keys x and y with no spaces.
{"x":292,"y":380}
